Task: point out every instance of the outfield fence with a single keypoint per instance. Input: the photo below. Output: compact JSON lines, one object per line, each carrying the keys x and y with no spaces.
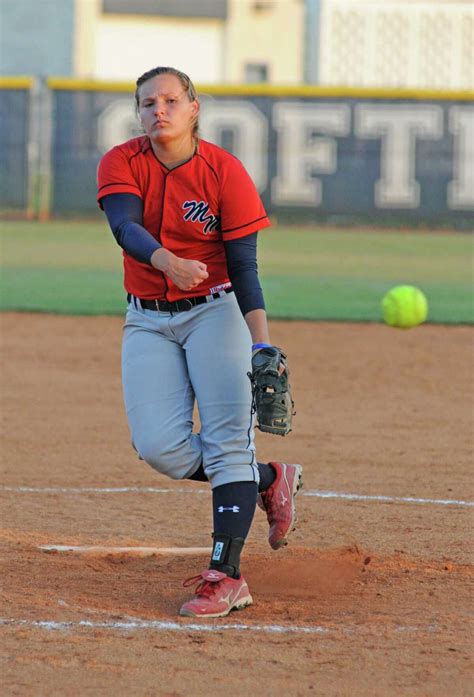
{"x":349,"y":156}
{"x":15,"y":144}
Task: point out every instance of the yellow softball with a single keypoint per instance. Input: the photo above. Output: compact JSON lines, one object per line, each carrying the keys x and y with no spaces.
{"x":404,"y":306}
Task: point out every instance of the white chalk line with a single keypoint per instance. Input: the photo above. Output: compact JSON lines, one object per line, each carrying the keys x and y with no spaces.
{"x":136,"y":551}
{"x":389,"y":499}
{"x":134,"y":624}
{"x":311,"y":494}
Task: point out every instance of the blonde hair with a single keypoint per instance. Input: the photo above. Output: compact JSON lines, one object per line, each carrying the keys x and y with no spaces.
{"x":185,"y":81}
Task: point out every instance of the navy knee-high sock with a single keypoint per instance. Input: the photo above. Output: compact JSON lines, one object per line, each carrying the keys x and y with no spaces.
{"x":233,"y":511}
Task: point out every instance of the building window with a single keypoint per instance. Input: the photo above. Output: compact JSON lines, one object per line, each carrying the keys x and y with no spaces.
{"x":256,"y":72}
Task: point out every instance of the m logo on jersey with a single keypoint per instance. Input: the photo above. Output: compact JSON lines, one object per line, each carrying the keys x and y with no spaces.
{"x":198,"y":212}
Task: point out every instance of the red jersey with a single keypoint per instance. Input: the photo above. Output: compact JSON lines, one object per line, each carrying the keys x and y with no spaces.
{"x":191,"y":210}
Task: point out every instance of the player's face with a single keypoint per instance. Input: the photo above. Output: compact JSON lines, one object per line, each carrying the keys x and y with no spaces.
{"x":165,"y":110}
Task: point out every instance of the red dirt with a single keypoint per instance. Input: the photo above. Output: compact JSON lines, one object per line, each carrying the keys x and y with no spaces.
{"x":384,"y":586}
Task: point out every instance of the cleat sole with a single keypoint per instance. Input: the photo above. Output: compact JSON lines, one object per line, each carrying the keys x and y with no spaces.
{"x":240,"y":605}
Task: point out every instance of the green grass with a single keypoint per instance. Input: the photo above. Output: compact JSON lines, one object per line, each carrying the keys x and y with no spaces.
{"x":76,"y":268}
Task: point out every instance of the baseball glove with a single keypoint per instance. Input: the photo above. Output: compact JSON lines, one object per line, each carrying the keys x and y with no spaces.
{"x":271,"y":391}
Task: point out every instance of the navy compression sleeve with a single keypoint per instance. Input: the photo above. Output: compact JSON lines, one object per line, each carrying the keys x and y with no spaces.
{"x":241,"y":257}
{"x":125,"y":215}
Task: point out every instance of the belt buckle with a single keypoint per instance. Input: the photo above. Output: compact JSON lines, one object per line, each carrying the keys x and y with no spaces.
{"x":157,"y":304}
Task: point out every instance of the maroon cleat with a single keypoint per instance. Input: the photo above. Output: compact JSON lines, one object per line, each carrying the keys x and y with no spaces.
{"x":216,"y":595}
{"x":278,"y":501}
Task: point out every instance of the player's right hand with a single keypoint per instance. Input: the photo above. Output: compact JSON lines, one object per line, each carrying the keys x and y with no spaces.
{"x":185,"y":273}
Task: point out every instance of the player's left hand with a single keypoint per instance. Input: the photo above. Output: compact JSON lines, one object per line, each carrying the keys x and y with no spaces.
{"x":271,"y":390}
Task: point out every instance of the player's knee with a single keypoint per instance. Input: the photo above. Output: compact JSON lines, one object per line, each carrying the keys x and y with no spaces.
{"x":161,"y":454}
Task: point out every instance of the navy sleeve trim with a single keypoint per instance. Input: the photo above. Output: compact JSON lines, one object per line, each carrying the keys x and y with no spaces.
{"x":105,"y":186}
{"x":251,"y":222}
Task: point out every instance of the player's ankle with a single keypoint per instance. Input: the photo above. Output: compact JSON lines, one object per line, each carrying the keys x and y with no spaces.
{"x":230,"y":571}
{"x":225,"y":555}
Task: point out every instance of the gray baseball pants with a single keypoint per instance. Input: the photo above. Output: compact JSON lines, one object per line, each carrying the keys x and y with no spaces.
{"x":169,"y":360}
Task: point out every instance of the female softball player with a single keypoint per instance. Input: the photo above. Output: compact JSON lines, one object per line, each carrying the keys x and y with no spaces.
{"x":186,"y":214}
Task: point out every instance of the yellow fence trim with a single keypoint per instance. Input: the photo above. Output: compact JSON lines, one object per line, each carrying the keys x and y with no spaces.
{"x":62,"y":83}
{"x":19,"y":82}
{"x":57,"y":83}
{"x":346,"y":92}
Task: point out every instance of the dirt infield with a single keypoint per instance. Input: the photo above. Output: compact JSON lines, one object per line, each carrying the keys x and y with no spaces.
{"x":371,"y":597}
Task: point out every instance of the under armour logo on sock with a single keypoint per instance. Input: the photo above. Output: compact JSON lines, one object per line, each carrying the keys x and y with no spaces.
{"x":232,"y":509}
